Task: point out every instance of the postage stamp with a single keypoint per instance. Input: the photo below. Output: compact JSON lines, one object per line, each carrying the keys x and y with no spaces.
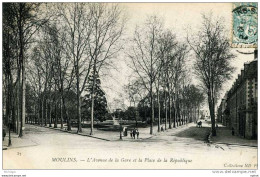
{"x":244,"y":27}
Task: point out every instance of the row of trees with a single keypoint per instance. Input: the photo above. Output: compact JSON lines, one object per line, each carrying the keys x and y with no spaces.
{"x":55,"y":53}
{"x":20,"y":23}
{"x":213,"y":57}
{"x":159,"y":63}
{"x":160,"y":73}
{"x":190,"y":101}
{"x":62,"y":48}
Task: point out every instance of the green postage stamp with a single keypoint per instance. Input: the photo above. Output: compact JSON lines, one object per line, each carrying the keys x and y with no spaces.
{"x":244,"y":26}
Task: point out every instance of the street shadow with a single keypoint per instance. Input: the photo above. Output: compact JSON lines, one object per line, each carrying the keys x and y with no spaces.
{"x":197,"y":133}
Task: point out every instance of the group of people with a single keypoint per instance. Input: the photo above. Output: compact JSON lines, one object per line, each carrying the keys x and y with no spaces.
{"x":134,"y":133}
{"x":199,"y":124}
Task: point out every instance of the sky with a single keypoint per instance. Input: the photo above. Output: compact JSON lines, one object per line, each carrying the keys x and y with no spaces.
{"x":177,"y":17}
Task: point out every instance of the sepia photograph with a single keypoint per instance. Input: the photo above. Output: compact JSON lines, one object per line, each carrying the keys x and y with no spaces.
{"x":129,"y":85}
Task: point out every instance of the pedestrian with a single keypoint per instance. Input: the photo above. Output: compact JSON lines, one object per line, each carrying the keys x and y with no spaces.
{"x":233,"y":131}
{"x":162,"y":129}
{"x":126,"y":131}
{"x":134,"y":132}
{"x":131,"y":133}
{"x":4,"y":134}
{"x":199,"y":124}
{"x":137,"y":133}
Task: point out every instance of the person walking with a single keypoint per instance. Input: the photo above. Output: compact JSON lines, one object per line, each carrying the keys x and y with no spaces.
{"x":131,"y":133}
{"x":162,"y":129}
{"x":134,"y":132}
{"x":4,"y":134}
{"x":137,"y":133}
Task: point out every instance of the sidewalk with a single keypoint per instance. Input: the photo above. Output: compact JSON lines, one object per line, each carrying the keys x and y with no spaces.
{"x":224,"y":136}
{"x":17,"y":142}
{"x":104,"y":135}
{"x":25,"y":141}
{"x":144,"y":133}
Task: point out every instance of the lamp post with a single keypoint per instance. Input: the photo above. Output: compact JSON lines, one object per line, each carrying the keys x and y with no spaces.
{"x":120,"y":128}
{"x":120,"y":122}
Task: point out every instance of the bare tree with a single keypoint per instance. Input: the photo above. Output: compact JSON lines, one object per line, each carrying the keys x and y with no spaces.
{"x":167,"y":43}
{"x":179,"y":73}
{"x":10,"y":67}
{"x":35,"y":78}
{"x":135,"y":90}
{"x":143,"y":54}
{"x":170,"y":69}
{"x":26,"y":23}
{"x":212,"y":59}
{"x":77,"y":20}
{"x":61,"y":66}
{"x":104,"y":41}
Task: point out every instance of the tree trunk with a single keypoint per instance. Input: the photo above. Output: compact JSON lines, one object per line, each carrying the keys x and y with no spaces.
{"x":198,"y":111}
{"x":92,"y":112}
{"x":170,"y":111}
{"x":136,"y":115}
{"x":186,"y":115}
{"x":61,"y":92}
{"x":174,"y":116}
{"x":166,"y":105}
{"x":8,"y":99}
{"x":68,"y":121}
{"x":50,"y":114}
{"x":22,"y":59}
{"x":182,"y":118}
{"x":18,"y":109}
{"x":78,"y":98}
{"x":12,"y":103}
{"x":66,"y":113}
{"x":152,"y":108}
{"x":61,"y":114}
{"x":34,"y":112}
{"x":13,"y":111}
{"x":79,"y":118}
{"x":10,"y":112}
{"x":56,"y":116}
{"x":46,"y":111}
{"x":178,"y":110}
{"x":22,"y":121}
{"x":92,"y":98}
{"x":212,"y":113}
{"x":38,"y":112}
{"x":4,"y":106}
{"x":144,"y":112}
{"x":42,"y":115}
{"x":191,"y":114}
{"x":159,"y":109}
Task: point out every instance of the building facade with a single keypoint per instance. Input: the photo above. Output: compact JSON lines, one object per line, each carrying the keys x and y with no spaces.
{"x":221,"y":114}
{"x":238,"y":109}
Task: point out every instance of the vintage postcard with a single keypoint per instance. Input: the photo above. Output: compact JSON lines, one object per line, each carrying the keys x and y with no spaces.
{"x":130,"y":86}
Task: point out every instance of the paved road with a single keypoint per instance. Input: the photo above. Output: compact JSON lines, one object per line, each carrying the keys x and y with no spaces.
{"x":179,"y":148}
